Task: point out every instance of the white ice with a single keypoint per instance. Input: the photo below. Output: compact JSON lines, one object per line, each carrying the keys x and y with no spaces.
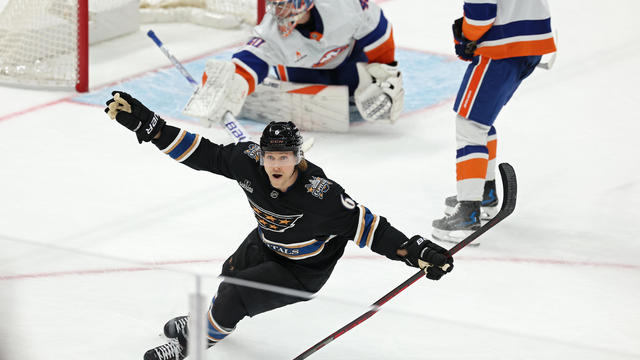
{"x":559,"y":279}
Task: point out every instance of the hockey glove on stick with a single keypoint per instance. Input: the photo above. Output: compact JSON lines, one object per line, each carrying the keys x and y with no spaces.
{"x":430,"y":257}
{"x":464,"y":47}
{"x":130,"y":113}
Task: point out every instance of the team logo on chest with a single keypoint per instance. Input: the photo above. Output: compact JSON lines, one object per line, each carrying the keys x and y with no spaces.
{"x":318,"y":186}
{"x":253,"y":152}
{"x":268,"y":220}
{"x":330,"y":55}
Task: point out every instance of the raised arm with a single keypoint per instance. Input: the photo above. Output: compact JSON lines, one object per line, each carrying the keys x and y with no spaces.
{"x":187,"y":148}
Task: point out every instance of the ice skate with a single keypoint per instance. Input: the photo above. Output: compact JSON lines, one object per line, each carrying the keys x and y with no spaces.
{"x":172,"y":350}
{"x":176,"y":326}
{"x":489,"y":206}
{"x":464,"y":220}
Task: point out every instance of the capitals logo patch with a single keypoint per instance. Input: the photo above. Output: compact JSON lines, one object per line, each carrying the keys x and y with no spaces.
{"x":318,"y":186}
{"x":268,"y":220}
{"x":253,"y":152}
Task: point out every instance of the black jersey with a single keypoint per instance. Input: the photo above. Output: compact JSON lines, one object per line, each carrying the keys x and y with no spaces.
{"x":308,"y":224}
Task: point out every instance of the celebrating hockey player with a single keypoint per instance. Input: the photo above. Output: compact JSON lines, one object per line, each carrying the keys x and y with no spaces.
{"x":304,"y":220}
{"x":504,"y":40}
{"x":329,"y":42}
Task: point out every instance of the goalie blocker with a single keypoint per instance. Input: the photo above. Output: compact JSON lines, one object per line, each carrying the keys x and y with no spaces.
{"x":315,"y":107}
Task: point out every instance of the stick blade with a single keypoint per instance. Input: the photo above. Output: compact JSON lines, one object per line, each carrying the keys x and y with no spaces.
{"x":510,"y":189}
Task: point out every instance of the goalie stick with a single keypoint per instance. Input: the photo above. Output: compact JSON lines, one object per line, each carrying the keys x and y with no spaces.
{"x":229,"y":122}
{"x":510,"y":188}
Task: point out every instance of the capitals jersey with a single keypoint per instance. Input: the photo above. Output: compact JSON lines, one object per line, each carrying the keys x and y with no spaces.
{"x":308,"y":225}
{"x":341,"y":29}
{"x":508,"y":28}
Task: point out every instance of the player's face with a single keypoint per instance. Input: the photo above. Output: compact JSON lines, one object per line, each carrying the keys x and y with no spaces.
{"x":280,"y":166}
{"x":288,"y":15}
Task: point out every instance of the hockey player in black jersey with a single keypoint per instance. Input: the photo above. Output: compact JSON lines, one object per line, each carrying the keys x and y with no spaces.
{"x":304,"y":220}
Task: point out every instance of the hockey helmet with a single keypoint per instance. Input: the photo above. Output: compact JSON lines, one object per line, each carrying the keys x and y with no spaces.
{"x":287,"y":13}
{"x":281,"y":136}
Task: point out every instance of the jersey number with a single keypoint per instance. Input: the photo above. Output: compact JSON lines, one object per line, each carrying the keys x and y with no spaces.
{"x":255,"y":42}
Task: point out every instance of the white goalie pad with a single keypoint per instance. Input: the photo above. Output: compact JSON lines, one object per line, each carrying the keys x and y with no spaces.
{"x":224,"y":91}
{"x":311,"y":107}
{"x":380,"y":92}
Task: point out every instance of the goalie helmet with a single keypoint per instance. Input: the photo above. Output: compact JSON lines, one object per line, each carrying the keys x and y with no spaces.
{"x":281,"y":136}
{"x":288,"y":13}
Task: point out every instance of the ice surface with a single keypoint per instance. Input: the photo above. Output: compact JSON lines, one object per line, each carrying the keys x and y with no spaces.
{"x":560,"y":279}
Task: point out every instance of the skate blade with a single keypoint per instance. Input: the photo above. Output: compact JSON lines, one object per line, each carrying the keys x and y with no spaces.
{"x":452,"y":237}
{"x":486,"y":212}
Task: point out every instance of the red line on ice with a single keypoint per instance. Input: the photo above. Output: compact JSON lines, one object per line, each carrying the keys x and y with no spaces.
{"x":153,"y":266}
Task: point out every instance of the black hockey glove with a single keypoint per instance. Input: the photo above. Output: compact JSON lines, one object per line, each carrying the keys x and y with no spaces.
{"x":130,"y":112}
{"x":464,"y":47}
{"x":430,"y":257}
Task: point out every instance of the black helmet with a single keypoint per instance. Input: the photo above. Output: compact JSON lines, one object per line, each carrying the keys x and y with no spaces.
{"x":281,"y":136}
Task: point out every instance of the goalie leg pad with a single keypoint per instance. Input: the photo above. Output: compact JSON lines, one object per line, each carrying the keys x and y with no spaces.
{"x":311,"y":107}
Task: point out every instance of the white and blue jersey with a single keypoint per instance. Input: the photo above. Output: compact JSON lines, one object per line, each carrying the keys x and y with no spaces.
{"x":324,"y":50}
{"x":309,"y":224}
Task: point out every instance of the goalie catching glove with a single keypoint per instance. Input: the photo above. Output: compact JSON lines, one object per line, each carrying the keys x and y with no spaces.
{"x":430,"y":257}
{"x":130,"y":113}
{"x":380,"y":95}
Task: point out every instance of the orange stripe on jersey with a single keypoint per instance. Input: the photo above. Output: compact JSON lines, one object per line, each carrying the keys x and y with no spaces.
{"x":384,"y":53}
{"x":474,"y":32}
{"x":282,"y":71}
{"x":520,"y":48}
{"x":204,"y":78}
{"x":308,"y":90}
{"x":471,"y":169}
{"x":247,"y":76}
{"x":493,"y":147}
{"x":472,"y":87}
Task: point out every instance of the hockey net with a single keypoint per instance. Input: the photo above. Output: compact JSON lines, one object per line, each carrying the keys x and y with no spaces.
{"x":213,"y":13}
{"x":44,"y":43}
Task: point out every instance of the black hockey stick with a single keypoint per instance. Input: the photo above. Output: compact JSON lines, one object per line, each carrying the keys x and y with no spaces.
{"x":510,"y":189}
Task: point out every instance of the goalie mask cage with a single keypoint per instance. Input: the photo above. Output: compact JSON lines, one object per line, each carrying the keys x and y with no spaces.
{"x":45,"y":43}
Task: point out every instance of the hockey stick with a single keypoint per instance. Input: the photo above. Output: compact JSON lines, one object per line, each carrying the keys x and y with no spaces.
{"x":229,"y":122}
{"x":510,"y":188}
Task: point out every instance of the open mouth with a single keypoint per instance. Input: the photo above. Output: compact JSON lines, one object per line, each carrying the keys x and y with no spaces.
{"x":277,"y":176}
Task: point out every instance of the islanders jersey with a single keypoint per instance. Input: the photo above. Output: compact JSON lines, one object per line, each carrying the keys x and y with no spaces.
{"x":309,"y":224}
{"x":342,"y":29}
{"x":508,"y":28}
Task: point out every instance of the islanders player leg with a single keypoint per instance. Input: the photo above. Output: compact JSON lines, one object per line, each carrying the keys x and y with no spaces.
{"x":486,"y":87}
{"x":489,"y":205}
